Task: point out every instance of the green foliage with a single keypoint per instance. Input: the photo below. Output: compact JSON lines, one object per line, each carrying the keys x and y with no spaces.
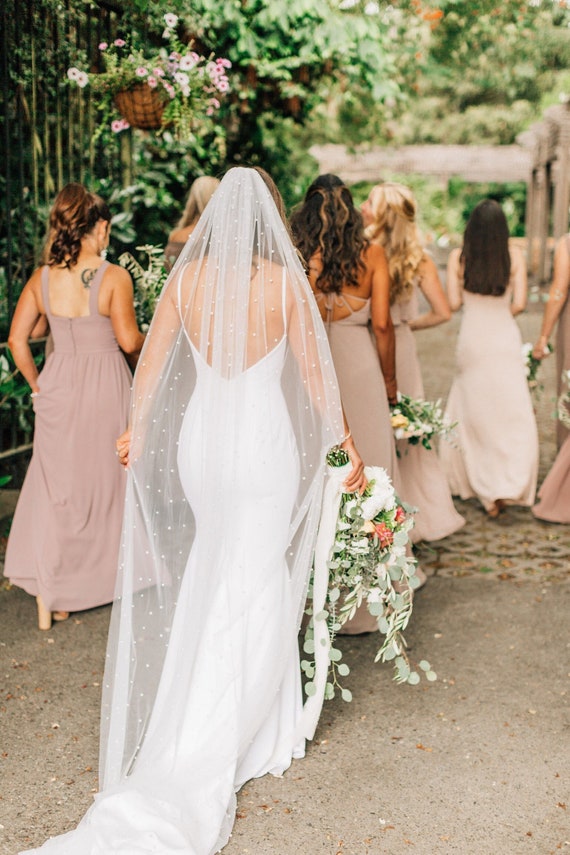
{"x":443,"y":209}
{"x":148,"y":281}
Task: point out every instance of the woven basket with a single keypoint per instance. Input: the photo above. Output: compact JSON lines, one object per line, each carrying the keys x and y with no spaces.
{"x":141,"y":106}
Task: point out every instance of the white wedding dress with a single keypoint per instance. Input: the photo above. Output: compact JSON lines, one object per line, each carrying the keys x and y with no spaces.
{"x":202,"y":686}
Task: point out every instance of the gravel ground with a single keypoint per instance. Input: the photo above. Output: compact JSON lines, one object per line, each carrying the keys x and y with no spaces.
{"x":477,"y":763}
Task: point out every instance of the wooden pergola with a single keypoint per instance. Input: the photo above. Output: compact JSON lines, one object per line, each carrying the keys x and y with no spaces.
{"x":548,"y":194}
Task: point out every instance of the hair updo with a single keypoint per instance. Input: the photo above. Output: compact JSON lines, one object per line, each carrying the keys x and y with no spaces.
{"x":74,"y":215}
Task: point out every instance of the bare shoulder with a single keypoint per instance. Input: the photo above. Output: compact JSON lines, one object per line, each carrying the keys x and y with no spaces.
{"x":374,"y":254}
{"x":34,"y":283}
{"x":517,"y":258}
{"x":180,"y":235}
{"x":118,"y":276}
{"x":427,"y":266}
{"x":454,"y":257}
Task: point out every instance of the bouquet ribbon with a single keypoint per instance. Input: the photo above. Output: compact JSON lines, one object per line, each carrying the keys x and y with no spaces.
{"x":334,"y":488}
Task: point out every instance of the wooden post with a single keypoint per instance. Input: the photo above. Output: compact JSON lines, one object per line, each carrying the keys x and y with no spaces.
{"x":562,"y":189}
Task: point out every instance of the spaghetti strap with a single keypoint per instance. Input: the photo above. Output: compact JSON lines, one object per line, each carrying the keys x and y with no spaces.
{"x":94,"y":289}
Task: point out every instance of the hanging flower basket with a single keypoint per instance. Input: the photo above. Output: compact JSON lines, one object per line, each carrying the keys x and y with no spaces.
{"x":141,"y":106}
{"x":154,"y":88}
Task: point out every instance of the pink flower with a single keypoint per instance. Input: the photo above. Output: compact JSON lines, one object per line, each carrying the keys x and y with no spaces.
{"x":170,"y":19}
{"x":400,"y":515}
{"x":214,"y":103}
{"x":210,"y":111}
{"x":119,"y":125}
{"x":222,"y":85}
{"x":119,"y":42}
{"x":384,"y":534}
{"x":225,"y":63}
{"x":158,"y":72}
{"x":152,"y":82}
{"x":188,"y":61}
{"x":103,"y":46}
{"x":169,"y":89}
{"x":141,"y":71}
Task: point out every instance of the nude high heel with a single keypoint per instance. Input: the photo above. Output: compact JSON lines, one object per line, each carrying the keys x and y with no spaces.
{"x":44,"y":615}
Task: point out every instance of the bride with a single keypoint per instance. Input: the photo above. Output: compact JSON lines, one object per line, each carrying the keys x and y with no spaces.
{"x":234,"y":407}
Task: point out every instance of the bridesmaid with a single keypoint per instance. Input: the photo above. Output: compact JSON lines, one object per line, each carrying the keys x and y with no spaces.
{"x":557,"y":311}
{"x":64,"y":541}
{"x":497,"y":457}
{"x":389,"y":214}
{"x":349,"y":277}
{"x":201,"y":192}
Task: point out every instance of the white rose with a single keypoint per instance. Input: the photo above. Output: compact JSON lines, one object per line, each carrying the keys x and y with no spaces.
{"x":382,"y":498}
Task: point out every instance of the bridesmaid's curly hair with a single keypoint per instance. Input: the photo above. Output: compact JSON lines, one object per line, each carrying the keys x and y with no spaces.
{"x":74,"y":215}
{"x":328,"y":222}
{"x":485,"y":254}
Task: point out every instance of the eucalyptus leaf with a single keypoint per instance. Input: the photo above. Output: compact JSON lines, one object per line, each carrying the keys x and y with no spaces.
{"x":414,"y":678}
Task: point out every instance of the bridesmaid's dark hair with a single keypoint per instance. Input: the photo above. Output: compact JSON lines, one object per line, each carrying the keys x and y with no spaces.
{"x":328,"y":221}
{"x":74,"y":214}
{"x":485,"y":254}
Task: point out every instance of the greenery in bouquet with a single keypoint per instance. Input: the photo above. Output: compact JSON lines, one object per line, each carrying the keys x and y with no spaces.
{"x":148,"y":281}
{"x":563,"y":405}
{"x":532,"y":364}
{"x":419,"y":421}
{"x":188,"y":84}
{"x":369,"y":564}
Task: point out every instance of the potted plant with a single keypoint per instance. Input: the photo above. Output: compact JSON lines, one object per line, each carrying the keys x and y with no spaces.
{"x":168,"y":86}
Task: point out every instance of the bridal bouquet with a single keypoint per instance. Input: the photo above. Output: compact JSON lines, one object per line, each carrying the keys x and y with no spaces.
{"x":532,"y":364}
{"x":419,"y":421}
{"x":368,"y":564}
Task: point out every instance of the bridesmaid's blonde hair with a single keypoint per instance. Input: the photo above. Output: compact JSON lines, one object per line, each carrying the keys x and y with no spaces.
{"x":394,"y":227}
{"x":200,"y":194}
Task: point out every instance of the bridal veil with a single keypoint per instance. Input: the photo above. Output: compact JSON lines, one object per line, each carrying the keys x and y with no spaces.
{"x":236,"y":301}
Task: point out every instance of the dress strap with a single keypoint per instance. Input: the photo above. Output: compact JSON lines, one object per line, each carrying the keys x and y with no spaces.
{"x":94,"y":288}
{"x":45,"y":289}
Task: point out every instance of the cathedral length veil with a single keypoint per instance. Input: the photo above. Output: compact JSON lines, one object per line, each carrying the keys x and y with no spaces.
{"x":234,"y":407}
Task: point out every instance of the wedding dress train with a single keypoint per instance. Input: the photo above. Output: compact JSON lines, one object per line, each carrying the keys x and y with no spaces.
{"x":202,"y":685}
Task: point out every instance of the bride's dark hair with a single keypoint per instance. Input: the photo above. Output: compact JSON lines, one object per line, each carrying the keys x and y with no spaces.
{"x":328,"y":222}
{"x":74,"y":214}
{"x":485,"y":254}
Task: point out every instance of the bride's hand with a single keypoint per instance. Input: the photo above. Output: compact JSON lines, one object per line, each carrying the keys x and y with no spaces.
{"x":123,"y":445}
{"x":356,"y":479}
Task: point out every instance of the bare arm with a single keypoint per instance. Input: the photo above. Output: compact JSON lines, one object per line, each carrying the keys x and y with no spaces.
{"x":519,"y":282}
{"x":454,"y":281}
{"x":382,"y":325}
{"x":122,"y":313}
{"x":165,"y":328}
{"x":557,"y":296}
{"x":432,"y":289}
{"x":26,"y":316}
